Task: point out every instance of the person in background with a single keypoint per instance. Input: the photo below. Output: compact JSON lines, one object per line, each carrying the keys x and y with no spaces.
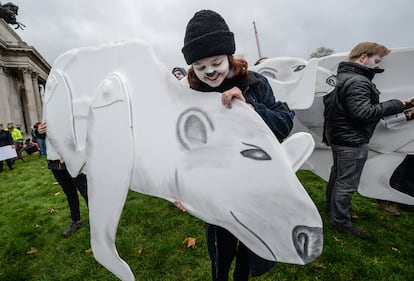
{"x":40,"y":138}
{"x":352,"y":112}
{"x":15,"y":133}
{"x":17,"y":137}
{"x":179,"y":72}
{"x":70,"y":187}
{"x":5,"y":139}
{"x":33,"y":134}
{"x":209,"y":47}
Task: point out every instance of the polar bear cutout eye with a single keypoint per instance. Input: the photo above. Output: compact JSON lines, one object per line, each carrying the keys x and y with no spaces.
{"x":255,"y":153}
{"x":194,"y":127}
{"x":298,"y":67}
{"x":331,"y":80}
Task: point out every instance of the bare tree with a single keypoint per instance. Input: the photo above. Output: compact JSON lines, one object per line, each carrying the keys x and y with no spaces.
{"x":321,"y":52}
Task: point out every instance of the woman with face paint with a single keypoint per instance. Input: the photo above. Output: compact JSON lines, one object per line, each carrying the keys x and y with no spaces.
{"x":209,"y":47}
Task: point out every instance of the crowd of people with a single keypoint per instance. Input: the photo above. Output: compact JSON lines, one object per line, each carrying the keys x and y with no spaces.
{"x":36,"y":144}
{"x":352,"y":112}
{"x":13,"y":137}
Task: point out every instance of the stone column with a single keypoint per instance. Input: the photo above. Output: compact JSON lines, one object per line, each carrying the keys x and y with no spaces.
{"x":31,"y":103}
{"x":37,"y":96}
{"x":5,"y":113}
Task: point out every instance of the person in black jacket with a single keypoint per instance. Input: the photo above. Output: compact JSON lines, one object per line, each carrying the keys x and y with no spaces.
{"x":5,"y":139}
{"x":70,"y":187}
{"x":352,"y":112}
{"x":209,"y":47}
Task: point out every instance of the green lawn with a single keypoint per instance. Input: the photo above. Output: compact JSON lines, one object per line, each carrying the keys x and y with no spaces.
{"x":151,"y":233}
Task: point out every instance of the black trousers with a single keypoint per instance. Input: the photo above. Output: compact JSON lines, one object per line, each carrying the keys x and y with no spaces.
{"x":9,"y":164}
{"x":223,"y":247}
{"x":70,"y":187}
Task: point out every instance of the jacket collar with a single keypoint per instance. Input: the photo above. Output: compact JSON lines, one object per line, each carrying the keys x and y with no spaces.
{"x":242,"y":82}
{"x":352,"y":67}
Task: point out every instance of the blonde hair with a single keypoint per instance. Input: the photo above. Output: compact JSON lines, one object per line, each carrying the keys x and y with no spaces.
{"x":369,"y":49}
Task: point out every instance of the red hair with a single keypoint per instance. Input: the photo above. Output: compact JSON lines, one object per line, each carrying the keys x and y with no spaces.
{"x":237,"y":65}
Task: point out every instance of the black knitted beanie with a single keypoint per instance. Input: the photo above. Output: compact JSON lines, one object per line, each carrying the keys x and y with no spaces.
{"x":207,"y":35}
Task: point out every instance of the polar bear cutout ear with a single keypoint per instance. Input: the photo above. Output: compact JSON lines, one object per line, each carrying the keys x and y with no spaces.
{"x":298,"y":148}
{"x":111,"y":90}
{"x":194,"y":128}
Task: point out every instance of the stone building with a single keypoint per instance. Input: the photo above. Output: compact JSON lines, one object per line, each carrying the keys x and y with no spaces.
{"x":23,"y":74}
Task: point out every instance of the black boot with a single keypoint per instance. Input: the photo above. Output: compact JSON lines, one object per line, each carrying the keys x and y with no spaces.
{"x":9,"y":164}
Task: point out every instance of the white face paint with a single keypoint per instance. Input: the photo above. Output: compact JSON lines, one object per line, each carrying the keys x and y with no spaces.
{"x":212,"y":70}
{"x":373,"y":61}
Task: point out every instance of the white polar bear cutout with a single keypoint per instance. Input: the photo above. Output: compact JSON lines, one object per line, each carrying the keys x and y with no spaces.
{"x":293,"y":80}
{"x":115,"y":112}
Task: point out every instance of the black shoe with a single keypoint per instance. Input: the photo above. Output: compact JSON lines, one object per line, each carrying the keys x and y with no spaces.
{"x":72,"y":228}
{"x":352,"y":231}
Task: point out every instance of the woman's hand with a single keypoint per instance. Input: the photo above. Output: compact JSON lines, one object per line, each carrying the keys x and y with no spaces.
{"x":228,"y":96}
{"x":179,"y":206}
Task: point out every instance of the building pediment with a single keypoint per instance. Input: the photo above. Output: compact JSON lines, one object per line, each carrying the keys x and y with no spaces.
{"x":15,"y":53}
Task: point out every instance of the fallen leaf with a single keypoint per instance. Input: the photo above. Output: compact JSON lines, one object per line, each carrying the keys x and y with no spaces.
{"x":36,"y":225}
{"x":320,"y":266}
{"x":32,"y":251}
{"x":191,"y":242}
{"x":57,"y":193}
{"x":336,"y":238}
{"x":88,"y":251}
{"x":51,"y":211}
{"x":395,"y":249}
{"x":140,"y":251}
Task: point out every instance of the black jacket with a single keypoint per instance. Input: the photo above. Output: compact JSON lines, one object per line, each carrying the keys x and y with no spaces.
{"x":353,"y":110}
{"x":5,"y":138}
{"x":257,"y":91}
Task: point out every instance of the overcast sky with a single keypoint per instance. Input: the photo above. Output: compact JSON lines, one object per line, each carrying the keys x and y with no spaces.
{"x":286,"y":27}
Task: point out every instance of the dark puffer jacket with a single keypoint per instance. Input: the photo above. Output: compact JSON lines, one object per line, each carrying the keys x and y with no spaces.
{"x":354,"y":107}
{"x":5,"y":138}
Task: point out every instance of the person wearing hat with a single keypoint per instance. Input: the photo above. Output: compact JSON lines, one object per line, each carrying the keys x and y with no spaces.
{"x":15,"y":133}
{"x":179,"y":72}
{"x":208,"y":48}
{"x":17,"y":137}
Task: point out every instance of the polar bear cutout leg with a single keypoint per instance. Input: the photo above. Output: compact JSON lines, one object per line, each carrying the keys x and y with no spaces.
{"x":110,"y":150}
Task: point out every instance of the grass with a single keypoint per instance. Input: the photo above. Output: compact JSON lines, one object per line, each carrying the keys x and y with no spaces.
{"x":151,"y":233}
